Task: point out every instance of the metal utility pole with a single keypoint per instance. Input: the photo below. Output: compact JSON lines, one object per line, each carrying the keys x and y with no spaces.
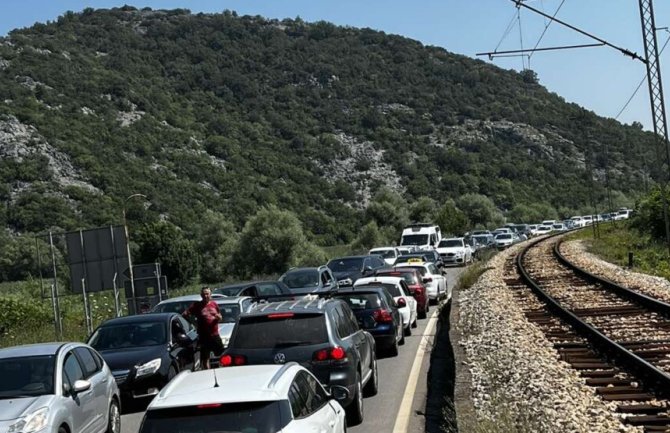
{"x":656,"y":97}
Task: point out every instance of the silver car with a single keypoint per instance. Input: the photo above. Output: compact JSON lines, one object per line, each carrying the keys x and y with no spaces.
{"x":57,"y":388}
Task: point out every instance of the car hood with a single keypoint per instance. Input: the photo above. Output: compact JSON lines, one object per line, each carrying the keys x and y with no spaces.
{"x":450,"y":250}
{"x":354,"y":275}
{"x":11,"y":409}
{"x":126,"y":358}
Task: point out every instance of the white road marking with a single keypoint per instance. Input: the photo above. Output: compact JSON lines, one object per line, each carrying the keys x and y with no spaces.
{"x":404,"y":413}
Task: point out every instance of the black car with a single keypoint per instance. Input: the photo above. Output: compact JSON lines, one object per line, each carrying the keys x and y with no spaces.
{"x":302,"y":281}
{"x":348,"y":269}
{"x":145,"y":351}
{"x":377,"y":313}
{"x":320,"y":334}
{"x":255,"y":289}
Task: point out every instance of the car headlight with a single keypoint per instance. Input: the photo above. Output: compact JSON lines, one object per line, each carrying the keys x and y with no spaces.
{"x":34,"y":422}
{"x":148,"y":368}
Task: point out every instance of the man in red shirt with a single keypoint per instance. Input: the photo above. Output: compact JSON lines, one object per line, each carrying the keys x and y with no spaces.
{"x":208,"y":316}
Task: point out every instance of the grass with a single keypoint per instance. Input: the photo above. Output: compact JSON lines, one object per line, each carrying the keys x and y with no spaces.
{"x":616,"y":241}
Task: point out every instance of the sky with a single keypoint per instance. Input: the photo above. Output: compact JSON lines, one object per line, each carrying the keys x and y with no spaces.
{"x":600,"y":79}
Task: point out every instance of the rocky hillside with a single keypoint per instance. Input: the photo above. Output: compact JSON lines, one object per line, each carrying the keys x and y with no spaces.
{"x":230,"y":113}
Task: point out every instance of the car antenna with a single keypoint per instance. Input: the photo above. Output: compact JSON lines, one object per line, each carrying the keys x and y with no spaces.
{"x":216,"y":383}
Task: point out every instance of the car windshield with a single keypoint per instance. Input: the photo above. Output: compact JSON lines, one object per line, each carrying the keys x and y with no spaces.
{"x":504,"y":236}
{"x":301,"y":278}
{"x":26,"y":376}
{"x":351,"y":264}
{"x":230,"y":290}
{"x":450,"y":243}
{"x":480,"y":239}
{"x":126,"y":335}
{"x":229,"y":312}
{"x":280,"y":330}
{"x":250,"y":417}
{"x":387,"y":254}
{"x":393,"y":289}
{"x":414,"y":240}
{"x":361,"y":301}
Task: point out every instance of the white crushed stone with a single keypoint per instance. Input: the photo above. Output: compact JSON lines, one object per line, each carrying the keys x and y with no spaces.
{"x":577,"y":252}
{"x":518,"y":380}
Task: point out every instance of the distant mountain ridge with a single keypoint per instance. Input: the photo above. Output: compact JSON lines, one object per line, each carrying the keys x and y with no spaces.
{"x":229,"y":113}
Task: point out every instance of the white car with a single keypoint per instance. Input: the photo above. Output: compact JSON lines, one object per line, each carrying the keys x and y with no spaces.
{"x":397,"y":287}
{"x":578,"y":221}
{"x":229,"y":306}
{"x":454,"y":251}
{"x":504,"y":240}
{"x":389,"y":254}
{"x":253,"y":398}
{"x":435,"y":282}
{"x":543,"y":230}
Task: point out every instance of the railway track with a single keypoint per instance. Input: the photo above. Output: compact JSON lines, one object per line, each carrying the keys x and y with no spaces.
{"x":618,"y":339}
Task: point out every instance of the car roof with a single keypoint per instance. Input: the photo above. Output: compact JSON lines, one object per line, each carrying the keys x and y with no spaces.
{"x":39,"y":349}
{"x":306,"y":304}
{"x":378,"y":279}
{"x":245,"y":284}
{"x":250,"y":382}
{"x":140,"y":318}
{"x":192,"y":298}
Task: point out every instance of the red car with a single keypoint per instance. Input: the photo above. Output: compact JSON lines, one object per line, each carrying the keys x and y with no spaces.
{"x":413,"y":279}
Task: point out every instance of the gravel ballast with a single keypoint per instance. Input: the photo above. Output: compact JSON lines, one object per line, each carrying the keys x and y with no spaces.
{"x":518,"y":382}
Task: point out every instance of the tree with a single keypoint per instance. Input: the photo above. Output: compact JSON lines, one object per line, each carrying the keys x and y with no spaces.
{"x":423,"y":209}
{"x":270,"y":242}
{"x":216,"y":240}
{"x":165,"y":243}
{"x":388,"y":209}
{"x":480,"y":210}
{"x":451,"y":220}
{"x":369,"y":237}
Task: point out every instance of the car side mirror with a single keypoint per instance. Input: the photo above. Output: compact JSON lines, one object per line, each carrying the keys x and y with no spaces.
{"x":427,"y":280}
{"x":81,"y":386}
{"x":367,"y":269}
{"x":182,"y":339}
{"x":339,"y":393}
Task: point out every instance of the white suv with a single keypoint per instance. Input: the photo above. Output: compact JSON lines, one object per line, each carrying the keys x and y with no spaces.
{"x":254,"y":398}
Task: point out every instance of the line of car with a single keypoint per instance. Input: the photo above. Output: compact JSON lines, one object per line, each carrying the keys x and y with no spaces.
{"x":309,"y":353}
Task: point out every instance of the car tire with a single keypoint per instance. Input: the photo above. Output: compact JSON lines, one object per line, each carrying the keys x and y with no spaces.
{"x":372,"y":387}
{"x":414,"y":324}
{"x":407,"y":331}
{"x":62,"y":429}
{"x":355,"y":409}
{"x":113,"y":419}
{"x":402,"y":336}
{"x":422,"y":314}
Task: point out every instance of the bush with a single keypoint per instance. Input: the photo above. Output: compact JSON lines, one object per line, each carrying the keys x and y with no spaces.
{"x":17,"y":315}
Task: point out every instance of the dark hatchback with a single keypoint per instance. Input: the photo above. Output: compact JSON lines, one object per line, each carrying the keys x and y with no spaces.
{"x":145,"y":351}
{"x":320,"y":334}
{"x":376,"y":312}
{"x":255,"y":289}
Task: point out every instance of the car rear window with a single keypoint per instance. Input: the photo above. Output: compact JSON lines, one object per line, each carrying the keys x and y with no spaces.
{"x":391,"y":288}
{"x":409,"y":277}
{"x":263,"y":416}
{"x":280,"y":330}
{"x":422,"y":270}
{"x":361,"y":301}
{"x":301,"y":278}
{"x":172,"y":307}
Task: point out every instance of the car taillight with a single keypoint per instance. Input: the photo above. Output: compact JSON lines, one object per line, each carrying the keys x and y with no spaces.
{"x":209,"y":405}
{"x":418,"y":290}
{"x":332,"y":353}
{"x":280,"y":315}
{"x":382,"y":316}
{"x":230,"y":360}
{"x":401,"y":303}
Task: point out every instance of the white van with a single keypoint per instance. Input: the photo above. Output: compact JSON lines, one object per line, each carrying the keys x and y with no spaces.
{"x":421,"y":236}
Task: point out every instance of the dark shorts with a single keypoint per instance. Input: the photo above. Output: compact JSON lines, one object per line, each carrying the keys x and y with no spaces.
{"x":211,"y":344}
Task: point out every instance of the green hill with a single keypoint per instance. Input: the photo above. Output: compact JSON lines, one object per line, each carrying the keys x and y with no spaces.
{"x":226,"y":113}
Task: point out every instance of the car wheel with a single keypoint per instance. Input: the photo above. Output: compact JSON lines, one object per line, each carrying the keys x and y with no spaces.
{"x":114,"y":419}
{"x":407,"y":331}
{"x":355,"y":408}
{"x":402,"y":335}
{"x":393,"y":349}
{"x":62,"y":429}
{"x":422,"y":314}
{"x":372,"y":387}
{"x":414,"y":324}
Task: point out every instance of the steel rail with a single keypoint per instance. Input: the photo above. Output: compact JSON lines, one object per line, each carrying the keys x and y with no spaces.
{"x":654,"y":378}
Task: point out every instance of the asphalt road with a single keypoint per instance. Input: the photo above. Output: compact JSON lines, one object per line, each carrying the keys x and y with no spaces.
{"x":381,"y":411}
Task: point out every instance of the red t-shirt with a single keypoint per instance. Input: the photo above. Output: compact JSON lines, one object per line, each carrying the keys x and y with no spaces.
{"x":208,"y":324}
